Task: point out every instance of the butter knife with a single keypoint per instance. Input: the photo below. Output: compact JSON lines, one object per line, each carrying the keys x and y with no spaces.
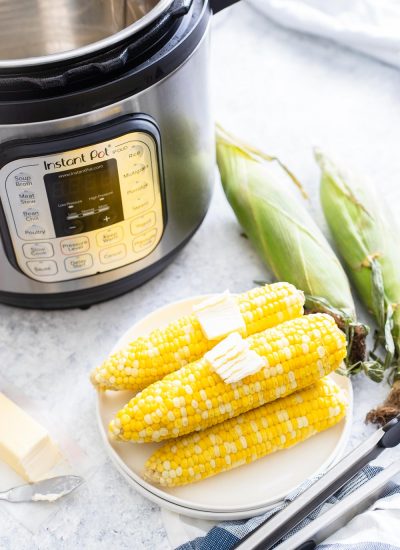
{"x":48,"y":490}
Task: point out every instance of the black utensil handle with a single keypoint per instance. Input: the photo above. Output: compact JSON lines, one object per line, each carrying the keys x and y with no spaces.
{"x":392,"y":434}
{"x":218,"y":5}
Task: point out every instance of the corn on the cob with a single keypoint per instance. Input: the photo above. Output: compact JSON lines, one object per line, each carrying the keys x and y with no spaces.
{"x":297,"y":353}
{"x":250,"y":436}
{"x":148,"y":359}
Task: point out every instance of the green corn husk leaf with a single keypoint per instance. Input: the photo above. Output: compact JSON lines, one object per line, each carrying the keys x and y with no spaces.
{"x":279,"y":226}
{"x":365,"y":236}
{"x":287,"y":238}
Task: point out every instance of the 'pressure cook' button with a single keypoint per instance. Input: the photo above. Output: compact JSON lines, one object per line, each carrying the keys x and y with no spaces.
{"x":38,"y":250}
{"x":113,"y":254}
{"x":43,"y":268}
{"x":74,"y":245}
{"x":109,"y":236}
{"x":146,"y":240}
{"x":78,"y":263}
{"x":142,"y":223}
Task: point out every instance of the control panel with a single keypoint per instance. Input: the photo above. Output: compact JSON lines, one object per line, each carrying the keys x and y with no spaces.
{"x":86,"y":210}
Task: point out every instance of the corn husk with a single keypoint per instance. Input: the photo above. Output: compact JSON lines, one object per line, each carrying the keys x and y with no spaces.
{"x":282,"y":230}
{"x":365,"y":235}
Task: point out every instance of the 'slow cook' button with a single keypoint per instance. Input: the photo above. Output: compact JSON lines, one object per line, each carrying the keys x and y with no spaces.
{"x":75,"y":245}
{"x":112,"y":235}
{"x":146,"y":240}
{"x":142,"y":223}
{"x":78,"y":263}
{"x":43,"y":268}
{"x":38,"y":250}
{"x":113,"y":254}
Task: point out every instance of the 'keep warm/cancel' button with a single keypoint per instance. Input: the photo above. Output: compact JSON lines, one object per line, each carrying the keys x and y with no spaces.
{"x":113,"y":254}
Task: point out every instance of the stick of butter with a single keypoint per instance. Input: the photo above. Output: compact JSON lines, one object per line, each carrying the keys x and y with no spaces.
{"x":24,"y":444}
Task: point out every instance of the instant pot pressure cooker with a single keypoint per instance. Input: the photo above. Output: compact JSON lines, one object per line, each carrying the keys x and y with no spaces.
{"x":106,"y":143}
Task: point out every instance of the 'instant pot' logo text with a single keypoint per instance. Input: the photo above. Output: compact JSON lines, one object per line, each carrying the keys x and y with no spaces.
{"x":94,"y":154}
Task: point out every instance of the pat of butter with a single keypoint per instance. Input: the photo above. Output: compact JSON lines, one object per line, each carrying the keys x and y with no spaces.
{"x":24,"y":444}
{"x":232,"y":359}
{"x":219,"y":316}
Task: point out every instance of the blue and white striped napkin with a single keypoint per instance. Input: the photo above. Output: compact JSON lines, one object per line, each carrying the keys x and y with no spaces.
{"x":376,"y":529}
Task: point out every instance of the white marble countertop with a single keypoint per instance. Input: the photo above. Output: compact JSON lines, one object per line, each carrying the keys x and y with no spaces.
{"x":284,"y":92}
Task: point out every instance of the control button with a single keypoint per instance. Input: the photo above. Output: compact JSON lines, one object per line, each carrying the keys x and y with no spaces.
{"x":109,"y":236}
{"x":135,"y":151}
{"x":43,"y":268}
{"x":31,"y":215}
{"x":23,"y":179}
{"x":73,"y":227}
{"x":78,"y":263}
{"x":136,"y":170}
{"x":35,"y":231}
{"x":146,"y":240}
{"x":74,"y":245}
{"x":38,"y":250}
{"x":27,"y":197}
{"x":113,"y":254}
{"x":143,"y":222}
{"x":106,"y":218}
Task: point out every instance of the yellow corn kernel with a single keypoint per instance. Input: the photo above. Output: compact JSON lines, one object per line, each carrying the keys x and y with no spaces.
{"x":248,"y":437}
{"x":297,"y":353}
{"x":146,"y":360}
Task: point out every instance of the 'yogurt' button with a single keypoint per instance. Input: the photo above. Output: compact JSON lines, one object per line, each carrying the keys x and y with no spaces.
{"x":38,"y":250}
{"x":43,"y":268}
{"x":146,"y":240}
{"x":113,"y":254}
{"x":142,"y":223}
{"x":109,"y":236}
{"x":74,"y":245}
{"x":78,"y":263}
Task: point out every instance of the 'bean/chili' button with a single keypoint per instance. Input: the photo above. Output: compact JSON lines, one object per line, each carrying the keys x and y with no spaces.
{"x":78,"y":263}
{"x":113,"y":254}
{"x":145,"y":240}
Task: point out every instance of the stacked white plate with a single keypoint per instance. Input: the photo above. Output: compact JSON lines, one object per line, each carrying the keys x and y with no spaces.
{"x":240,"y":493}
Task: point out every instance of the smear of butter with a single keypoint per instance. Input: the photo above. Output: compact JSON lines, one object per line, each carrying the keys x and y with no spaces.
{"x":232,"y":359}
{"x":50,"y":497}
{"x":219,"y":316}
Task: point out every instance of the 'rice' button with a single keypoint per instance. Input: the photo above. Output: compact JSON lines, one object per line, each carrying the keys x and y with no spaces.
{"x":113,"y":254}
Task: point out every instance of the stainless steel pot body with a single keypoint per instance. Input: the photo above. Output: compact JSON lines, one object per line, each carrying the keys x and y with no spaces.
{"x":180,"y":106}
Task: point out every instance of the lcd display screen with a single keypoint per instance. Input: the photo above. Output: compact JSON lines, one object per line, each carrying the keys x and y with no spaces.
{"x":84,"y":198}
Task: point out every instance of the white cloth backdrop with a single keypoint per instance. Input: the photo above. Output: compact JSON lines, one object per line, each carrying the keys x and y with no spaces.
{"x":370,"y":26}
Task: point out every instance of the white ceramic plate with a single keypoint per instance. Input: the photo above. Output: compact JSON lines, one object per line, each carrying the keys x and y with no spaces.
{"x":242,"y":492}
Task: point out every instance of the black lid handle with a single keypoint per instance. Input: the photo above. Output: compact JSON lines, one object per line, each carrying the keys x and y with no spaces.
{"x":218,"y":5}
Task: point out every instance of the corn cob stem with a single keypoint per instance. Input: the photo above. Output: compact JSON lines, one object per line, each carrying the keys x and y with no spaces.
{"x":148,"y":359}
{"x":248,"y":437}
{"x":297,"y":353}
